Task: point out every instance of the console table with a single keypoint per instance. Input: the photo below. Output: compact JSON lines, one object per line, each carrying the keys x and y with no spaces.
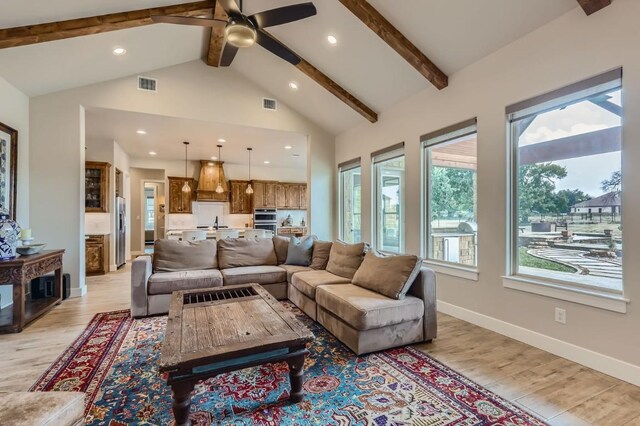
{"x":19,"y":272}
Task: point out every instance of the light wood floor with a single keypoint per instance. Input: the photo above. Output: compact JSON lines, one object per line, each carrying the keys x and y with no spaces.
{"x":563,"y":392}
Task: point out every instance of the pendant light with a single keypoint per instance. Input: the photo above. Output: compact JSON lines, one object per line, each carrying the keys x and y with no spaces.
{"x":186,"y":187}
{"x":249,"y":188}
{"x":219,"y":188}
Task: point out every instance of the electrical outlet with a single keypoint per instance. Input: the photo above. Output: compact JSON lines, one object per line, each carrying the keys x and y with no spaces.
{"x":561,"y":316}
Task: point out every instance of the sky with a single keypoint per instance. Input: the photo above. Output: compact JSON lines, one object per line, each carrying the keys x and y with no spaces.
{"x":584,"y":173}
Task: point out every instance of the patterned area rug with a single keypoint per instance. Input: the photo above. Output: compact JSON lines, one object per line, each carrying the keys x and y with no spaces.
{"x":114,"y":362}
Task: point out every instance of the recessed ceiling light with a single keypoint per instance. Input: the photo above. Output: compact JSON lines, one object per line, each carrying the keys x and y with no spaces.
{"x":295,"y":155}
{"x":141,"y":132}
{"x":332,"y":39}
{"x":267,"y":162}
{"x":152,"y":153}
{"x":119,"y":51}
{"x":214,"y":158}
{"x":221,"y":140}
{"x":288,"y":147}
{"x":293,"y":85}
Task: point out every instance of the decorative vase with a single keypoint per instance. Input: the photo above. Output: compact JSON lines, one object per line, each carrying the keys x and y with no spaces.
{"x":9,"y":232}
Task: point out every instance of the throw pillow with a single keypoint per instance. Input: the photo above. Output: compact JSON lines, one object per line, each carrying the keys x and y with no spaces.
{"x":321,"y":250}
{"x":281,"y":245}
{"x":175,"y":256}
{"x":300,"y":250}
{"x":344,"y":259}
{"x":391,"y":276}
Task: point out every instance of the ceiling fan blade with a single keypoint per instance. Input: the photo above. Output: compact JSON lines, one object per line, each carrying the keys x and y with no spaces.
{"x":277,"y":48}
{"x":283,"y":15}
{"x":228,"y":53}
{"x":230,"y":6}
{"x":186,"y":20}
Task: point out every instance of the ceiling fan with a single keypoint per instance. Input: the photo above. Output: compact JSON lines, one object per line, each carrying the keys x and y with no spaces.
{"x":243,"y":31}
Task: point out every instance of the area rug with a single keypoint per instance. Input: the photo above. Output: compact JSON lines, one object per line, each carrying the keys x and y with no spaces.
{"x":114,"y":362}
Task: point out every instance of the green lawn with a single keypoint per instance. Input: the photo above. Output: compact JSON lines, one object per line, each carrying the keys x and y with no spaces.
{"x":525,"y":259}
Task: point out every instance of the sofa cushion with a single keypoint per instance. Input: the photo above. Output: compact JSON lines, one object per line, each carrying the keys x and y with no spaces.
{"x":388,"y":275}
{"x":308,"y":282}
{"x":240,"y":252}
{"x":320,"y":258}
{"x":173,"y":256}
{"x":254,"y":274}
{"x":294,"y":269}
{"x":300,"y":250}
{"x":168,"y":282}
{"x":344,"y":259}
{"x":364,"y":309}
{"x":281,"y":246}
{"x":41,"y":408}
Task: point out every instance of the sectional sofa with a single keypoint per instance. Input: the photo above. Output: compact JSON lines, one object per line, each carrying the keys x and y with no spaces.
{"x":369,"y":301}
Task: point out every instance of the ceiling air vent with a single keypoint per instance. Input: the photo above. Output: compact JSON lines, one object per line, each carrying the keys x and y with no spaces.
{"x":270,"y":104}
{"x":147,"y":84}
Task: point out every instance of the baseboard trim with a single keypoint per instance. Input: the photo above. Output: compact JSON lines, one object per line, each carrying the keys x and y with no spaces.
{"x":605,"y":364}
{"x":113,"y":268}
{"x":78,"y":291}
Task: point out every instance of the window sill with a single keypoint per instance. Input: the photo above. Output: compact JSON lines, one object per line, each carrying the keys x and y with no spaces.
{"x":452,"y":270}
{"x":601,"y":300}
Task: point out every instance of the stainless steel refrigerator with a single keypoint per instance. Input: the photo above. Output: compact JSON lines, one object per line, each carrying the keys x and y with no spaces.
{"x":121,"y":231}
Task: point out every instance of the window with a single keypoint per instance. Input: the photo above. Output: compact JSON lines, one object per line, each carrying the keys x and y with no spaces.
{"x":388,"y":208}
{"x":350,"y":190}
{"x":566,"y":180}
{"x":150,"y":209}
{"x":451,"y":204}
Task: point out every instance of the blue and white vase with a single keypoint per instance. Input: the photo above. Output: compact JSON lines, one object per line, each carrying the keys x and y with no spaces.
{"x":9,"y":232}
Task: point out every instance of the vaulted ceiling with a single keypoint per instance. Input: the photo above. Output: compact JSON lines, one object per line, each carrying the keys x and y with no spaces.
{"x":453,"y":34}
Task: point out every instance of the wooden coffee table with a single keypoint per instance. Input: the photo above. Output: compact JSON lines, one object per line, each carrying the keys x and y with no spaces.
{"x":217,"y":330}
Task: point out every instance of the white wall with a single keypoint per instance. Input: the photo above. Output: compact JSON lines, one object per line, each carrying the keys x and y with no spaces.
{"x":191,"y":90}
{"x":564,"y":51}
{"x":14,"y":112}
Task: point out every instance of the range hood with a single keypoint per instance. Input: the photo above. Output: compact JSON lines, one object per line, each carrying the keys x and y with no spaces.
{"x":212,"y":173}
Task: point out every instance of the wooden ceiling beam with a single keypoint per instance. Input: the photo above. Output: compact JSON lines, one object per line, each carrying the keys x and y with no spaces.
{"x":592,"y":6}
{"x":40,"y":33}
{"x":216,"y":41}
{"x":397,"y":41}
{"x":333,"y":87}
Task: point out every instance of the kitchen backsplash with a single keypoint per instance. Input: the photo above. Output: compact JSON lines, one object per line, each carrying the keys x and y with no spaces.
{"x":204,"y":214}
{"x":296,"y":216}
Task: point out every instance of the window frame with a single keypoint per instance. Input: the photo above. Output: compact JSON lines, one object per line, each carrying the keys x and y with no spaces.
{"x":429,"y":140}
{"x":389,"y":153}
{"x":558,"y":288}
{"x":347,"y":166}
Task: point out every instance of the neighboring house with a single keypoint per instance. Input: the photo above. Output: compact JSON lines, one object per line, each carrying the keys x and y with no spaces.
{"x":607,"y":203}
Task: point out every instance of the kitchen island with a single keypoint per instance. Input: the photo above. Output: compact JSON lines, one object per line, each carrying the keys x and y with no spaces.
{"x":176,"y":234}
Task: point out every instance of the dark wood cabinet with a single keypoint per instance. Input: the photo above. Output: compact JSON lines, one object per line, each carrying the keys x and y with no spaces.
{"x":96,"y":254}
{"x":96,"y":187}
{"x":264,"y":194}
{"x":291,"y":196}
{"x":281,"y":195}
{"x":179,"y":201}
{"x":240,"y":202}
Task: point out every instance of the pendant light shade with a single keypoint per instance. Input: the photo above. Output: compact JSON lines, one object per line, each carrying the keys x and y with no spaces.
{"x":219,"y":188}
{"x":186,"y":187}
{"x":249,"y":189}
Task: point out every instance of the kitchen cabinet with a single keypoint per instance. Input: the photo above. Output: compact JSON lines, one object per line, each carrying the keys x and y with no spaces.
{"x":96,"y":187}
{"x":291,"y":196}
{"x":96,"y":254}
{"x":180,"y":202}
{"x":212,"y":173}
{"x":241,"y":202}
{"x":264,"y":194}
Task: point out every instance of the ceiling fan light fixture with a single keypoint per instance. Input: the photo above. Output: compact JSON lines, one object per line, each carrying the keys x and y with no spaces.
{"x":240,"y":33}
